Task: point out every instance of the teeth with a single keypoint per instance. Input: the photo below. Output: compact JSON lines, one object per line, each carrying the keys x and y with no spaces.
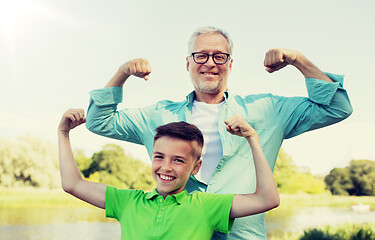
{"x":165,"y":177}
{"x":209,"y":74}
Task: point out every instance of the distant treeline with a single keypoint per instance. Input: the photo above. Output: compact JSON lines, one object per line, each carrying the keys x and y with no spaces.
{"x":30,"y":161}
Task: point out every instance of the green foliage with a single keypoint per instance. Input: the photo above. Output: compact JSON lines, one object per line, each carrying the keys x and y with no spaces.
{"x":362,"y":173}
{"x":357,"y":179}
{"x":113,"y":167}
{"x":316,"y":234}
{"x":284,"y":169}
{"x":339,"y":182}
{"x":289,"y":180}
{"x":28,"y":161}
{"x":83,"y":162}
{"x":346,"y":232}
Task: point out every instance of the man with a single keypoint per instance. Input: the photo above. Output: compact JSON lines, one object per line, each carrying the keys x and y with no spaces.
{"x":274,"y":118}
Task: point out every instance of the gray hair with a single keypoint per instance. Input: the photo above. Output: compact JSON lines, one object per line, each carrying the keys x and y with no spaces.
{"x":206,"y":30}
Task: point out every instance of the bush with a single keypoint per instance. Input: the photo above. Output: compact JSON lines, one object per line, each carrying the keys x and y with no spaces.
{"x":346,"y":232}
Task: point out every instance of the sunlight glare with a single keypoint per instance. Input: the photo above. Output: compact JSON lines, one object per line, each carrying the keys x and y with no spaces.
{"x":12,"y":11}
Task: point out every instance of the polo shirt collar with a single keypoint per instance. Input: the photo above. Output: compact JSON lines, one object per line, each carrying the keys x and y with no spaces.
{"x":150,"y":195}
{"x":179,"y":197}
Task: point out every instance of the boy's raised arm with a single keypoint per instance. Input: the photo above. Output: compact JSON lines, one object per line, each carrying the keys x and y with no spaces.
{"x":266,"y":195}
{"x":71,"y":179}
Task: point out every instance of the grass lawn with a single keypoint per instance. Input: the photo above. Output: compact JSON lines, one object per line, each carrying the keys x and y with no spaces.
{"x":38,"y":198}
{"x":34,"y":197}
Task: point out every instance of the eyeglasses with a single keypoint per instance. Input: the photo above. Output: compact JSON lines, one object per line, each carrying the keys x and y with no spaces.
{"x":202,"y":58}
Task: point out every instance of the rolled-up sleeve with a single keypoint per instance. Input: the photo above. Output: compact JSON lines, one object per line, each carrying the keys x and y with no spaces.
{"x":328,"y":103}
{"x":104,"y":119}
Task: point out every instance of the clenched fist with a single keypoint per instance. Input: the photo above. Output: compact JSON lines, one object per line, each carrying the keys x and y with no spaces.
{"x":139,"y":67}
{"x":278,"y":58}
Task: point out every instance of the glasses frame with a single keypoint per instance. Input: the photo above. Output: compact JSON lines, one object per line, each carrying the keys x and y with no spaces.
{"x":210,"y":55}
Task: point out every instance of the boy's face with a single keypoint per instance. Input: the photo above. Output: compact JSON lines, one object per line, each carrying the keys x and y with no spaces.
{"x":173,"y":161}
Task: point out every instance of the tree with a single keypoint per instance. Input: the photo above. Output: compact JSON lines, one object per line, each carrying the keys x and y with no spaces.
{"x":28,"y":161}
{"x":362,"y":174}
{"x":357,"y":179}
{"x":290,"y":180}
{"x":284,"y":169}
{"x":113,"y":167}
{"x":338,"y":181}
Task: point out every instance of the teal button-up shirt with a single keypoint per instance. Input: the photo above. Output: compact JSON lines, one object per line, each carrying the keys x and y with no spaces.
{"x":274,"y":118}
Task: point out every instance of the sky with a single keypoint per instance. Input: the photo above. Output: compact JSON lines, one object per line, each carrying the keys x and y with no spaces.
{"x":52,"y":53}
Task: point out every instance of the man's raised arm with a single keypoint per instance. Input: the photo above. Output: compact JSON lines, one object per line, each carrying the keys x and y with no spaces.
{"x":138,"y":67}
{"x":278,"y":58}
{"x":266,"y":195}
{"x":102,"y":115}
{"x":327,"y":102}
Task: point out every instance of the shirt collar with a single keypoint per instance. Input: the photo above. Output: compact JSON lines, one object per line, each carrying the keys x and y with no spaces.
{"x":191,"y":96}
{"x":152,"y":194}
{"x":179,"y":197}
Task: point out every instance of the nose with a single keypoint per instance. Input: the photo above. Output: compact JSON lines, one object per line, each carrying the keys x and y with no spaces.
{"x":210,"y":61}
{"x":166,"y":166}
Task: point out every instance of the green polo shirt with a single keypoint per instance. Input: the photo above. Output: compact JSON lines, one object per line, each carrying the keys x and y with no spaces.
{"x":180,"y":216}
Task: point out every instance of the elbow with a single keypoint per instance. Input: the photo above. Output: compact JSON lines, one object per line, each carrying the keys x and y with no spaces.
{"x":276,"y":202}
{"x":67,"y":188}
{"x":346,"y":112}
{"x":96,"y":126}
{"x":349,"y":111}
{"x":344,"y":109}
{"x":273,"y":202}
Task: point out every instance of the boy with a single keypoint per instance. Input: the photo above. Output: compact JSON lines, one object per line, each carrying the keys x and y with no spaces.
{"x":169,"y":212}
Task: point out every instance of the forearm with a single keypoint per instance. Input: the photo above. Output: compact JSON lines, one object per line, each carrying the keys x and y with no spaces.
{"x":308,"y":69}
{"x":71,"y":179}
{"x":70,"y":174}
{"x":266,"y":188}
{"x":266,"y":195}
{"x":118,"y":79}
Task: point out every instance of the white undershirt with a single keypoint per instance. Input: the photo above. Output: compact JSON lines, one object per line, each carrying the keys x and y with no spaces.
{"x":205,"y":117}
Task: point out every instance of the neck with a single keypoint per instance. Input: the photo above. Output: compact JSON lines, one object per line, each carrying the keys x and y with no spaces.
{"x":209,"y":98}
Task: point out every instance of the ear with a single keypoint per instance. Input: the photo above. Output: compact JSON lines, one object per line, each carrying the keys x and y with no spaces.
{"x":230,"y":65}
{"x":187,"y":64}
{"x":197,"y":166}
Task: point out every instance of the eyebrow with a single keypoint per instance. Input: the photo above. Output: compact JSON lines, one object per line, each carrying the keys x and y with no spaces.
{"x":213,"y":52}
{"x":176,"y":156}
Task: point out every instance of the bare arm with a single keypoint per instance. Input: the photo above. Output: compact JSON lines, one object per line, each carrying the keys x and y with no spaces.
{"x":138,"y":67}
{"x":71,"y":179}
{"x":277,"y":59}
{"x":266,"y":195}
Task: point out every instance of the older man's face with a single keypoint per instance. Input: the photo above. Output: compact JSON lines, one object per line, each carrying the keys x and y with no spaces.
{"x":209,"y":78}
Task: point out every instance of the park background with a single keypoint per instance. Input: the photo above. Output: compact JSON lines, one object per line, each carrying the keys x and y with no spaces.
{"x":52,"y":53}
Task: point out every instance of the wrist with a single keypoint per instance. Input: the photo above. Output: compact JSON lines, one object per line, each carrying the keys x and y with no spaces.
{"x":63,"y":132}
{"x":119,"y":79}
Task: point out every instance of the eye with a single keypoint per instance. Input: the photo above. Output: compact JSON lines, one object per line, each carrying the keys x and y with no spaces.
{"x":179,"y":160}
{"x":158,"y":157}
{"x":219,"y":56}
{"x":200,"y":56}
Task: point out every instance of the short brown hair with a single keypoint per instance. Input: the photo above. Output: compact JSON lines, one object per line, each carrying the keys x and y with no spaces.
{"x":181,"y":130}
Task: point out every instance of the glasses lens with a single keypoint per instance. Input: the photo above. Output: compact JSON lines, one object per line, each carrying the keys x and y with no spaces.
{"x":200,"y":57}
{"x":220,"y":58}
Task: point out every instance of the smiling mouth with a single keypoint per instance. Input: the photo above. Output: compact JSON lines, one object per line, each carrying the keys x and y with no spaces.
{"x":209,"y":73}
{"x":165,"y":177}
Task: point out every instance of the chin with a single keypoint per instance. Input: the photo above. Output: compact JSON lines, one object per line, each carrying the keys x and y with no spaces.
{"x":208,"y":88}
